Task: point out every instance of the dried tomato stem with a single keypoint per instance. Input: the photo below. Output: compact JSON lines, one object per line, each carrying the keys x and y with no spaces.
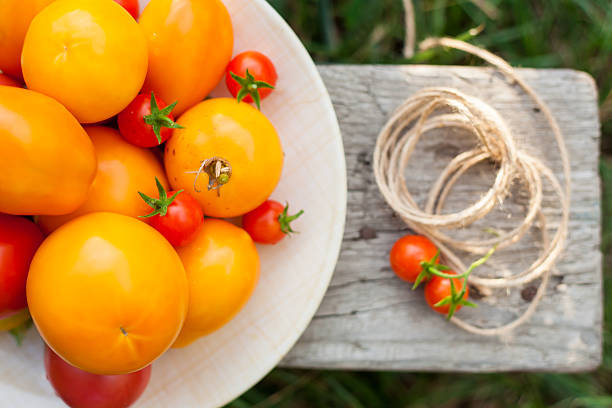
{"x":219,"y":172}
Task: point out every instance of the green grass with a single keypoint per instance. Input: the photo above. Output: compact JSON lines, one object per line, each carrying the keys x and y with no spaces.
{"x":532,"y":33}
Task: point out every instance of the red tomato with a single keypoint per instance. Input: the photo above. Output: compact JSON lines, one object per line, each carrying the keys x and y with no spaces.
{"x":80,"y":389}
{"x":439,"y":288}
{"x":408,"y":253}
{"x":255,"y":85}
{"x":131,"y":6}
{"x":144,"y":124}
{"x":8,"y":81}
{"x":177,"y":215}
{"x":19,"y":239}
{"x":269,"y":223}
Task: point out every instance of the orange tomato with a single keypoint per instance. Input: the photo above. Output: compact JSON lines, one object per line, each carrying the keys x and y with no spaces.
{"x":241,"y":136}
{"x":190,"y":44}
{"x":123,"y":171}
{"x":15,"y":18}
{"x":107,"y":293}
{"x":89,"y":55}
{"x":48,"y":162}
{"x":222,"y":269}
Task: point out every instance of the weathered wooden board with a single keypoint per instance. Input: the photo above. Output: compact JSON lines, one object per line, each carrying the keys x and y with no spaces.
{"x":371,"y":320}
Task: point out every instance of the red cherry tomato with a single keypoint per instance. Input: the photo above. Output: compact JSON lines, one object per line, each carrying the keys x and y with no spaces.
{"x":131,"y":6}
{"x":147,"y":121}
{"x":80,"y":389}
{"x":408,"y":253}
{"x":257,"y":84}
{"x":269,"y":223}
{"x":176,"y":215}
{"x":439,"y":288}
{"x":19,"y":239}
{"x":6,"y":80}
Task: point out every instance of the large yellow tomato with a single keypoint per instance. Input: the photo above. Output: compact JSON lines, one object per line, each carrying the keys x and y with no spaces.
{"x":123,"y":171}
{"x":15,"y":18}
{"x":238,"y":137}
{"x":190,"y":44}
{"x":47,"y":161}
{"x":107,"y":293}
{"x":89,"y":55}
{"x":222,"y":269}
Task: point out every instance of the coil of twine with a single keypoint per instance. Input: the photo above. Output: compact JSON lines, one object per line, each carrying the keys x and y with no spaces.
{"x":437,"y":108}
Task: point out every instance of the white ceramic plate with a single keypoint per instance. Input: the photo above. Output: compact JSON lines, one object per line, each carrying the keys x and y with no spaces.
{"x":294,"y":274}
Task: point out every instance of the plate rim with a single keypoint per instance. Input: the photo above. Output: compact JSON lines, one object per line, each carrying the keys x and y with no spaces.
{"x":342,"y":190}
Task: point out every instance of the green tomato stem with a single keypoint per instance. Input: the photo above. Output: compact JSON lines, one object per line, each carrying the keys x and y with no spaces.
{"x":285,"y":220}
{"x":430,"y":268}
{"x":160,"y":205}
{"x":249,"y":86}
{"x":159,"y":119}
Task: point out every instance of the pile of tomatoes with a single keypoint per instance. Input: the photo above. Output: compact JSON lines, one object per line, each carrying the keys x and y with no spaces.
{"x":117,"y":180}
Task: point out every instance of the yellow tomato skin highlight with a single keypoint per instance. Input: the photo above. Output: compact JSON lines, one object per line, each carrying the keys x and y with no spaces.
{"x":48,"y":161}
{"x":89,"y":55}
{"x":15,"y":18}
{"x":236,"y":132}
{"x":190,"y":44}
{"x":107,"y":293}
{"x":123,"y":171}
{"x":222,"y":267}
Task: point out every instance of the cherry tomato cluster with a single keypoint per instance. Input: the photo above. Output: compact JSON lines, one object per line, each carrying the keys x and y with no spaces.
{"x":99,"y":111}
{"x":415,"y":259}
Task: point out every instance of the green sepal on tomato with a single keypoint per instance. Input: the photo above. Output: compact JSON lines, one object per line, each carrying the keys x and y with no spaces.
{"x":15,"y":319}
{"x":19,"y":332}
{"x":176,"y":215}
{"x":147,"y":121}
{"x":447,"y":292}
{"x":251,"y":76}
{"x":17,"y":324}
{"x":270,"y":222}
{"x":446,"y":296}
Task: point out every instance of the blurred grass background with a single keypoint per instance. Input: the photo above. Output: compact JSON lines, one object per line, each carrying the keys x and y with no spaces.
{"x":531,"y":33}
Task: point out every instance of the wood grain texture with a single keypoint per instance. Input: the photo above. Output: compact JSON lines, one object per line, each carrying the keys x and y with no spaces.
{"x":371,"y":320}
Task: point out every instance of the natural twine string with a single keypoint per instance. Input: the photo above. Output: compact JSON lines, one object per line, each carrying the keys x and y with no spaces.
{"x":410,"y":29}
{"x":437,"y":108}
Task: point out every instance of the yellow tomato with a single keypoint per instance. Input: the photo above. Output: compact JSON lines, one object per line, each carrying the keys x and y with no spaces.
{"x":89,"y":55}
{"x":15,"y":18}
{"x":123,"y":171}
{"x":222,"y":269}
{"x":246,"y":142}
{"x":107,"y":293}
{"x":48,"y":162}
{"x":190,"y":43}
